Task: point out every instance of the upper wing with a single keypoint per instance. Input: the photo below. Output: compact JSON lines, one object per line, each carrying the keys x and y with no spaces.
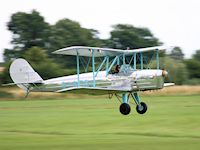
{"x":100,"y":52}
{"x":147,"y":49}
{"x":87,"y":51}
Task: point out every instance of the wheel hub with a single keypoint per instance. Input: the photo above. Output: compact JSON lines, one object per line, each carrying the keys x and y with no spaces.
{"x":140,"y":107}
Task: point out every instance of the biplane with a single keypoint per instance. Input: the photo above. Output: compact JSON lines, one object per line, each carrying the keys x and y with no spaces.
{"x":98,"y":77}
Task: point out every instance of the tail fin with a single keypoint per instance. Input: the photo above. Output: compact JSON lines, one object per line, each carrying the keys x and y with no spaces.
{"x":23,"y":74}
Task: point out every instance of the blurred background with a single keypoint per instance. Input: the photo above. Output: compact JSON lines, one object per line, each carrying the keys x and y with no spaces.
{"x":34,"y":29}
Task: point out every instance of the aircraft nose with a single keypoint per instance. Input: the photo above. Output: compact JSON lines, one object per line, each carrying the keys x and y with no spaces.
{"x":164,"y":73}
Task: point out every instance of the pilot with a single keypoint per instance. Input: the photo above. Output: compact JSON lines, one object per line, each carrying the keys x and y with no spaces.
{"x":117,"y":68}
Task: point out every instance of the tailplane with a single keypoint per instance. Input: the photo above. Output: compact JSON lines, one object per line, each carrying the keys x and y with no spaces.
{"x":23,"y":74}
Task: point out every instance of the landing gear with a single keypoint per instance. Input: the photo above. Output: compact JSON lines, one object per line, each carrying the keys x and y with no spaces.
{"x":125,"y":108}
{"x":142,"y":108}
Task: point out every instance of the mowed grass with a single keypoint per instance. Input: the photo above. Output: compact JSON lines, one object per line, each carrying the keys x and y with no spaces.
{"x":172,"y":122}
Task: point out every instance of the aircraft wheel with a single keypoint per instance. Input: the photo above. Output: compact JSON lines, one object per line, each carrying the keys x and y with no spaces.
{"x":141,"y":109}
{"x":125,"y":108}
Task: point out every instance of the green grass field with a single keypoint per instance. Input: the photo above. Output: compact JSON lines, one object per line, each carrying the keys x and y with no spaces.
{"x":172,"y":122}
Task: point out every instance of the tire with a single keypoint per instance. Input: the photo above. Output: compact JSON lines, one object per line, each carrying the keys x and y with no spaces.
{"x":125,"y":108}
{"x":143,"y":110}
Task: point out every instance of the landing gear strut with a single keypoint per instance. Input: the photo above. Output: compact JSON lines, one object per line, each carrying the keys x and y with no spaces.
{"x":125,"y":108}
{"x":141,"y":107}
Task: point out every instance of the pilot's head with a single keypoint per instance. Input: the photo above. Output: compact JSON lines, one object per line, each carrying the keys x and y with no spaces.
{"x":117,"y":68}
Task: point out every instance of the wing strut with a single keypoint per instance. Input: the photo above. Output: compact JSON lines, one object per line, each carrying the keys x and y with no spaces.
{"x":78,"y":69}
{"x":93,"y":69}
{"x":157,"y":59}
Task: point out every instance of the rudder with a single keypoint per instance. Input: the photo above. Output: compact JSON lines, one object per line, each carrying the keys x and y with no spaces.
{"x":22,"y":73}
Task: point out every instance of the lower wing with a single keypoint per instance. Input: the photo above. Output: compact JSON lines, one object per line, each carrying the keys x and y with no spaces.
{"x":92,"y":90}
{"x":169,"y":84}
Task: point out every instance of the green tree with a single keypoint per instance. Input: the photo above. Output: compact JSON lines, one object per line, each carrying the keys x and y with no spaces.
{"x":45,"y":66}
{"x":10,"y":54}
{"x":41,"y":63}
{"x":5,"y":77}
{"x":196,"y":56}
{"x":193,"y":67}
{"x":177,"y":71}
{"x":29,"y":29}
{"x":69,"y":33}
{"x":127,"y":36}
{"x":177,"y":53}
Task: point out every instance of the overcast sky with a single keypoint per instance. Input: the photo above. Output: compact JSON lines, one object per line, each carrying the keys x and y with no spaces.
{"x":174,"y":22}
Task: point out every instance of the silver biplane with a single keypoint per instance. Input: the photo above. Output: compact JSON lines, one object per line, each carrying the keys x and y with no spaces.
{"x":125,"y":82}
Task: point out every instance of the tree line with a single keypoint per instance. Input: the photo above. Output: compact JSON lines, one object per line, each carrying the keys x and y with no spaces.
{"x":35,"y":39}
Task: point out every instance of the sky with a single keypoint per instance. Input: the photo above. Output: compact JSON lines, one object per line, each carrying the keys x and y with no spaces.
{"x":174,"y":22}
